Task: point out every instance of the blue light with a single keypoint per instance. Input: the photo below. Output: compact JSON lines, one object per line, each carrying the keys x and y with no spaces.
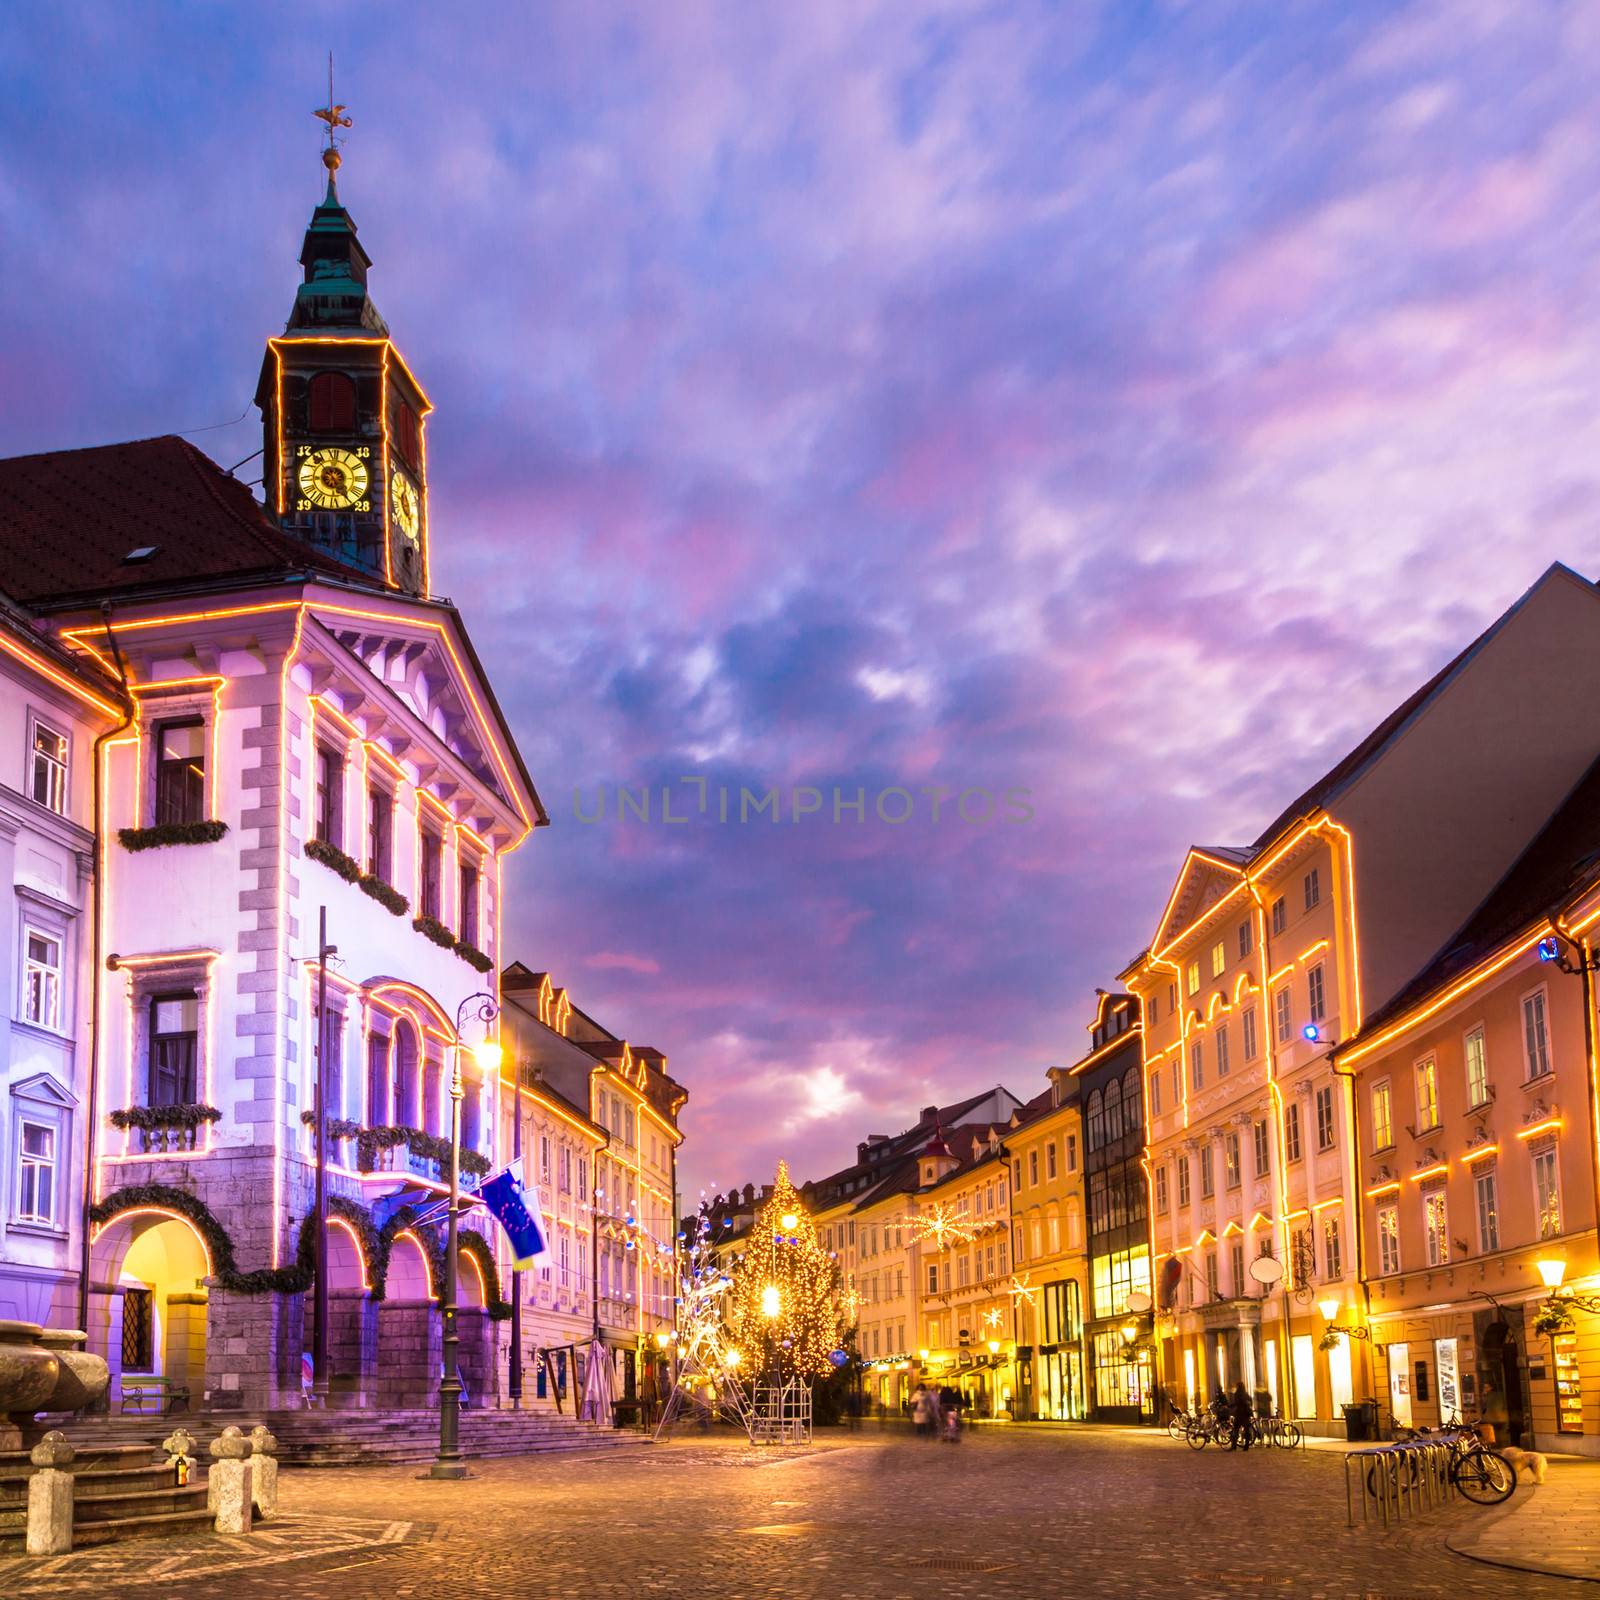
{"x":1310,"y":1031}
{"x":1549,"y":949}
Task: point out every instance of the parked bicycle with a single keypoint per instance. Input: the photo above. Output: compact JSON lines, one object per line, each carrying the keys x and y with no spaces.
{"x":1478,"y":1471}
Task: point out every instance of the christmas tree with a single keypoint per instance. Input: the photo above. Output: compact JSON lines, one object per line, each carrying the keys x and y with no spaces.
{"x":786,"y":1313}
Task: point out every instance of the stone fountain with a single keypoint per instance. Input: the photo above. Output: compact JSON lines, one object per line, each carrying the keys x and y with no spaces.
{"x":43,"y":1369}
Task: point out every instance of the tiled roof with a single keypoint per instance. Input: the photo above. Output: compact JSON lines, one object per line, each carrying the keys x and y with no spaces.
{"x":70,"y":519}
{"x":1561,"y":860}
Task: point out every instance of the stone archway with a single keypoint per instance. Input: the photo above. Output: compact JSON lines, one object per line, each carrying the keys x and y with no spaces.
{"x":408,"y":1333}
{"x":148,"y":1302}
{"x":352,"y":1316}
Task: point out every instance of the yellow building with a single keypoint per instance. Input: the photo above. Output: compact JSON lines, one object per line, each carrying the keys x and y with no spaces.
{"x":1048,"y":1285}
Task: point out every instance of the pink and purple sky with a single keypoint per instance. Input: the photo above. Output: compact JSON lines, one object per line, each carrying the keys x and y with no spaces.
{"x":1127,"y":402}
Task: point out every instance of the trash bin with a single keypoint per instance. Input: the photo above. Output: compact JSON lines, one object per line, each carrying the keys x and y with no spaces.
{"x":1361,"y":1421}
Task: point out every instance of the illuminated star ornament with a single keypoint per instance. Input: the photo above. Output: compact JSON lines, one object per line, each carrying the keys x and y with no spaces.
{"x":992,"y":1317}
{"x":940,"y":1226}
{"x":1022,"y":1290}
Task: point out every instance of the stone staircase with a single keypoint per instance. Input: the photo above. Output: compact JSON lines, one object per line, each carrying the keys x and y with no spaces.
{"x":363,"y":1438}
{"x":117,"y":1493}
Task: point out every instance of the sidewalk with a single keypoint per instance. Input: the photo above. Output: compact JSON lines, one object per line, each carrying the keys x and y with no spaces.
{"x":1551,"y":1528}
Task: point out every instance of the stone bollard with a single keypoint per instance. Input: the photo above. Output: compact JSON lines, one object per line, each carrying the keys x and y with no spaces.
{"x":228,"y":1485}
{"x":264,"y":1467}
{"x":178,"y":1448}
{"x":50,"y":1497}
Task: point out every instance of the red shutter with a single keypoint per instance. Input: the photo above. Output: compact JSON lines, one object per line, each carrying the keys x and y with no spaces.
{"x":332,"y":403}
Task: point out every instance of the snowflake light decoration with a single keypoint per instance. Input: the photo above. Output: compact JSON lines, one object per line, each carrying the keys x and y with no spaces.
{"x":939,"y":1226}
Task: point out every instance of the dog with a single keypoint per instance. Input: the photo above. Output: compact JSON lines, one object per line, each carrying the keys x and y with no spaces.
{"x":1528,"y":1465}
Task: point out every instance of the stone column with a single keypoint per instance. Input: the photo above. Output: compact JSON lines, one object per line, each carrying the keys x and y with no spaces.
{"x":229,"y":1485}
{"x":50,"y":1497}
{"x":264,"y":1467}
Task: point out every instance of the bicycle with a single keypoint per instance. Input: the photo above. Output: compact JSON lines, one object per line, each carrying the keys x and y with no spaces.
{"x":1179,"y":1422}
{"x":1279,"y":1432}
{"x":1480,"y":1474}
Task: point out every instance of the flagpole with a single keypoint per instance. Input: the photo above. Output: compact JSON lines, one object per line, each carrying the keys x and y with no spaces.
{"x":516,"y":1271}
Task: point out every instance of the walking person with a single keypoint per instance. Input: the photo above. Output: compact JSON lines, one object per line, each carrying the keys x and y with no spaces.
{"x":919,"y":1410}
{"x":951,"y":1404}
{"x":1242,"y":1412}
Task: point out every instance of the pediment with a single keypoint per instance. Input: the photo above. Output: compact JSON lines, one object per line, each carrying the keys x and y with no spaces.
{"x":1206,"y":878}
{"x":42,"y":1089}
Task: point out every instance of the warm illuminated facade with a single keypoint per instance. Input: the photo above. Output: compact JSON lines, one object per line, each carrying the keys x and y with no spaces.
{"x":1047,"y":1286}
{"x":52,"y":710}
{"x":963,"y":1229}
{"x":311,"y":731}
{"x":1475,"y":1091}
{"x":1268,"y":954}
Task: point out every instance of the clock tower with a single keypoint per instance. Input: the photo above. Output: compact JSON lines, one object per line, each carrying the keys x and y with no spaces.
{"x":345,"y":457}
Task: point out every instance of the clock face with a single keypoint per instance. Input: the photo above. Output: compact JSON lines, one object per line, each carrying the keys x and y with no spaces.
{"x":405,"y":506}
{"x":333,"y":479}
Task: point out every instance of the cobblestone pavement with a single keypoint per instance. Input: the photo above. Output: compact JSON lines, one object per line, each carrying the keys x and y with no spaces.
{"x":869,"y":1516}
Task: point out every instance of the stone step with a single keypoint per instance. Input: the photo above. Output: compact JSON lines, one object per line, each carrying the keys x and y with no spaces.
{"x":159,"y":1526}
{"x":135,"y":1503}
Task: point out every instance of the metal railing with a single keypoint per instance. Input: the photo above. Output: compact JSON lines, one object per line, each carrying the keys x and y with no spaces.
{"x":1398,"y":1480}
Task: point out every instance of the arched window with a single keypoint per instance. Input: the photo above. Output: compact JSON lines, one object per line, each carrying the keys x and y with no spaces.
{"x":1074,"y":1225}
{"x":1097,"y":1120}
{"x":1052,"y":1228}
{"x":1113,"y":1112}
{"x":331,"y":403}
{"x":1131,"y":1107}
{"x":404,"y":1102}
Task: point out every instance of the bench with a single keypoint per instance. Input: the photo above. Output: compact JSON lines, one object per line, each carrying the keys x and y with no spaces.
{"x":153,"y":1396}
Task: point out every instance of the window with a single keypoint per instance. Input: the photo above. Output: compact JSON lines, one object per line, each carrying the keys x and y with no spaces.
{"x":565,"y":1171}
{"x":1072,"y":1152}
{"x":174,"y":1033}
{"x":1477,"y":1068}
{"x":1332,"y":1256}
{"x":1016,"y":1173}
{"x":1155,"y":1010}
{"x":1050,"y":1159}
{"x":1427,"y":1094}
{"x":1535,"y":1036}
{"x":1316,"y":999}
{"x":1161,"y":1191}
{"x":377,"y":1079}
{"x":1248,"y":1025}
{"x":1197,"y":1070}
{"x":380,"y":832}
{"x":1212,"y":1291}
{"x":1193,"y":977}
{"x":1236,"y":1269}
{"x":933,"y":1277}
{"x":1285,"y":1021}
{"x":138,"y":1320}
{"x":1435,"y":1227}
{"x":405,"y":432}
{"x":1244,"y":940}
{"x":1097,"y":1120}
{"x":1230,"y":1159}
{"x":1033,"y":1166}
{"x":1280,"y":915}
{"x":331,"y":403}
{"x":468,"y":900}
{"x":1291,"y":1133}
{"x":1313,"y":888}
{"x":41,"y":980}
{"x":36,"y":1179}
{"x":1155,"y":1094}
{"x":583,"y":1178}
{"x":1487,"y":1201}
{"x":1388,"y":1240}
{"x":1547,"y":1192}
{"x":1172,"y":997}
{"x":47,"y":773}
{"x":1262,"y":1157}
{"x":1183,"y":1181}
{"x":1219,"y":958}
{"x":1325,"y":1123}
{"x":1113,"y":1111}
{"x":1382,"y":1116}
{"x":181,"y":771}
{"x":330,"y":796}
{"x":428,"y":888}
{"x":1208,"y":1182}
{"x":1222,"y":1050}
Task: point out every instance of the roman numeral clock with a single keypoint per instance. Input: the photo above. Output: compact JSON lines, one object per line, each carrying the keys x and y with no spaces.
{"x":343,"y":418}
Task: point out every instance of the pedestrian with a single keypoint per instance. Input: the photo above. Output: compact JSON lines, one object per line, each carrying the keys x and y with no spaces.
{"x":951,"y":1399}
{"x":1242,"y":1412}
{"x":922,"y":1409}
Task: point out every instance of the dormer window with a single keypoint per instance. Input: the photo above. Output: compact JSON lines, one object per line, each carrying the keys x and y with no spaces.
{"x":331,"y":403}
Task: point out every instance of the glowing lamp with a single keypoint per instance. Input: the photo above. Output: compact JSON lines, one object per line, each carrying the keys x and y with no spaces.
{"x":489,"y":1055}
{"x":1329,"y":1309}
{"x":1311,"y":1032}
{"x":1130,"y":1332}
{"x":1552,"y":1271}
{"x":1549,"y":949}
{"x":663,"y":1338}
{"x":771,"y":1301}
{"x":994,"y":1347}
{"x":789,"y":1222}
{"x":734,"y":1358}
{"x":922,"y":1355}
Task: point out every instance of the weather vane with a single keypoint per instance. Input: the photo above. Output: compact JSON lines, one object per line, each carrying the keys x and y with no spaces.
{"x":333,"y":115}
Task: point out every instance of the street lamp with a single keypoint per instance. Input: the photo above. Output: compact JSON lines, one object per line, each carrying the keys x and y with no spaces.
{"x":1552,"y":1272}
{"x":449,"y":1464}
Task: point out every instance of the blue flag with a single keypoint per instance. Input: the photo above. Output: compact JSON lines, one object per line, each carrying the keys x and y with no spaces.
{"x":517,"y":1211}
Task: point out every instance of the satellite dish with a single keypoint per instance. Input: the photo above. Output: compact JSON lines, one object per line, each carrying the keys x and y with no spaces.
{"x":1266,"y":1269}
{"x":1138,"y":1302}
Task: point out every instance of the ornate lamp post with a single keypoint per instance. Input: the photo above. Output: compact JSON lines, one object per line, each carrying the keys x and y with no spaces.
{"x":449,"y":1463}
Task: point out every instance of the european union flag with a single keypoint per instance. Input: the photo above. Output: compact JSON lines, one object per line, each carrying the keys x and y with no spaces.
{"x":516,"y":1208}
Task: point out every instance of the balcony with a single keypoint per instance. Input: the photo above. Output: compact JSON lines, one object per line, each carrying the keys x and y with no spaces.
{"x":165,"y":1130}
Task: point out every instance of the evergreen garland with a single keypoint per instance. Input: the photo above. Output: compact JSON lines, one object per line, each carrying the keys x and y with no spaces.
{"x":387,"y":896}
{"x":181,"y":1116}
{"x":432,"y":928}
{"x":165,"y":833}
{"x":473,"y":956}
{"x":330,"y":855}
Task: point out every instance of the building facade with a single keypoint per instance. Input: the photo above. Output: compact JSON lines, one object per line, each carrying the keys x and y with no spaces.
{"x":53,"y":710}
{"x":1475,"y":1090}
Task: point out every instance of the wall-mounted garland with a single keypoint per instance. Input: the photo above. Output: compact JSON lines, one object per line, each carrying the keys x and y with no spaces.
{"x":165,"y":833}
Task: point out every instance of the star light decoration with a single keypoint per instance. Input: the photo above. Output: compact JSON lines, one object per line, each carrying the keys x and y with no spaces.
{"x":939,"y":1226}
{"x":1022,"y":1291}
{"x":992,"y":1317}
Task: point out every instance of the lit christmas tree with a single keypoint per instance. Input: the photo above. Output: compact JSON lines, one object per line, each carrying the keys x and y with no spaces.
{"x":786,"y":1314}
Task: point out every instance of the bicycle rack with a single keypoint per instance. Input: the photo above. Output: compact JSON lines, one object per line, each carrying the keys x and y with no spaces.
{"x":1397,"y":1480}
